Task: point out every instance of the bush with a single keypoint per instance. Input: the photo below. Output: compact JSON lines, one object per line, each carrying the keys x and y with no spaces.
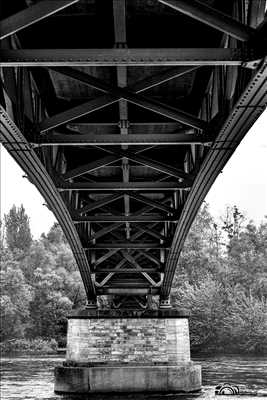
{"x":29,"y":346}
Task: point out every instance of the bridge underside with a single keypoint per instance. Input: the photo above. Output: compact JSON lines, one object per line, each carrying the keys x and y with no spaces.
{"x":123,"y":113}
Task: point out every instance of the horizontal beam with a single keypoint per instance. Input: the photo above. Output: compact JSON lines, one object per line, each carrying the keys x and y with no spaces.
{"x":134,"y":57}
{"x":125,"y":218}
{"x":110,"y":186}
{"x":127,"y":271}
{"x":86,"y":127}
{"x":119,"y":290}
{"x":129,"y":245}
{"x":116,"y":139}
{"x":210,"y":16}
{"x":31,"y":15}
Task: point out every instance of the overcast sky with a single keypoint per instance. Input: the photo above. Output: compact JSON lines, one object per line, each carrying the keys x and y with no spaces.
{"x":243,"y":182}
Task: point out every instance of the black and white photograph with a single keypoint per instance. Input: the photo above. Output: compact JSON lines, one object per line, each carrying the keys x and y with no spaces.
{"x":133,"y":226}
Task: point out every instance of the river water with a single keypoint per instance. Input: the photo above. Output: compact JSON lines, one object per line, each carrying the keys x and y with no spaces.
{"x":32,"y":378}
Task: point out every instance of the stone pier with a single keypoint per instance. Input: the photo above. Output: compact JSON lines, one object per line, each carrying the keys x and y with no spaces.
{"x":128,"y":353}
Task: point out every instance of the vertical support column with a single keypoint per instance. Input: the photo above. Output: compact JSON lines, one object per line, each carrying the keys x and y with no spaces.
{"x":120,"y":351}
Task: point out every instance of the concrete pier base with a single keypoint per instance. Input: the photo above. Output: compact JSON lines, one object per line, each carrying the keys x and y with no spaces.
{"x":133,"y":353}
{"x":159,"y":378}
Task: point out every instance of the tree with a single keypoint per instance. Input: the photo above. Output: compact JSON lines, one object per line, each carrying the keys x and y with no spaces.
{"x":245,"y":326}
{"x":49,"y":306}
{"x":15,"y":299}
{"x":56,"y":235}
{"x":17,"y":229}
{"x":206,"y":302}
{"x":232,"y":224}
{"x":201,"y":252}
{"x":248,"y":259}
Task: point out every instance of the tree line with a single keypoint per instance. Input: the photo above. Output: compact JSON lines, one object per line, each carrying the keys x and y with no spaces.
{"x":221,"y":280}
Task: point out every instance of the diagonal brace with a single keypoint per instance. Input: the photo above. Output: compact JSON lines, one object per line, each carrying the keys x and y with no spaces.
{"x":212,"y":17}
{"x":31,"y":15}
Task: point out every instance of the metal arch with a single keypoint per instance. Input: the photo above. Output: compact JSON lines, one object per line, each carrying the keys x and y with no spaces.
{"x":248,"y":108}
{"x":21,"y":151}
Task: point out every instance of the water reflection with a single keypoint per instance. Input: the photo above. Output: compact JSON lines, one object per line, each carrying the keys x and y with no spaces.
{"x":32,"y":378}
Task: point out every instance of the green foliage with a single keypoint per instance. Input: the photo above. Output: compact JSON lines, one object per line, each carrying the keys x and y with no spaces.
{"x":18,"y":233}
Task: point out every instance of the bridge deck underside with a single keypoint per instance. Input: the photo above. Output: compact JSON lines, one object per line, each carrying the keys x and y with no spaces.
{"x":133,"y":108}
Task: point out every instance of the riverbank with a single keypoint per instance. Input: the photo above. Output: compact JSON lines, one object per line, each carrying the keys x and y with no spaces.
{"x":26,"y":347}
{"x":40,"y":346}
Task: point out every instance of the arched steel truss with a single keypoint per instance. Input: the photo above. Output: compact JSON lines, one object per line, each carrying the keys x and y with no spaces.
{"x":135,"y":214}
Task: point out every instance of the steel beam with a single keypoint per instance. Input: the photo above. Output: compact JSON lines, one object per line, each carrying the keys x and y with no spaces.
{"x":125,"y":218}
{"x":150,"y":232}
{"x":152,"y":203}
{"x":31,"y":15}
{"x":129,"y":245}
{"x":130,"y":57}
{"x":135,"y":98}
{"x":151,"y":258}
{"x":210,"y":16}
{"x":104,"y":231}
{"x":111,"y":186}
{"x":133,"y":262}
{"x":75,"y":112}
{"x":119,"y":14}
{"x":137,"y":291}
{"x":158,"y":166}
{"x":86,"y":127}
{"x":161,"y":77}
{"x":127,"y":271}
{"x":98,"y":204}
{"x":105,"y":257}
{"x":92,"y":166}
{"x":165,"y":139}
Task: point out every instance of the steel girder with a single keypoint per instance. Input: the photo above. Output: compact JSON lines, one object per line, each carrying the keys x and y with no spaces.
{"x":128,"y":57}
{"x":32,"y":15}
{"x":131,"y":139}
